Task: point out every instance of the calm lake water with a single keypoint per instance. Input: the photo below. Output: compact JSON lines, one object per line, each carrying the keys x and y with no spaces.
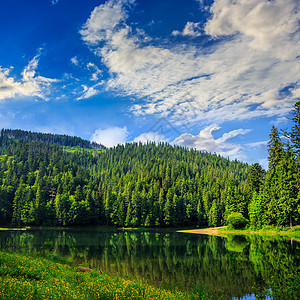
{"x":228,"y":268}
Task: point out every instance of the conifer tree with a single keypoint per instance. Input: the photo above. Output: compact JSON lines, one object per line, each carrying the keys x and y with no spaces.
{"x":275,"y":149}
{"x":287,"y":183}
{"x":256,"y":177}
{"x":271,"y":189}
{"x":131,"y":185}
{"x":295,"y":131}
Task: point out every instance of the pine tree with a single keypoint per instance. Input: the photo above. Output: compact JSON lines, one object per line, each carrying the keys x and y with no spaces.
{"x":256,"y":177}
{"x":256,"y":209}
{"x":294,"y":136}
{"x":18,"y":204}
{"x":295,"y":131}
{"x":275,"y":149}
{"x":288,"y":192}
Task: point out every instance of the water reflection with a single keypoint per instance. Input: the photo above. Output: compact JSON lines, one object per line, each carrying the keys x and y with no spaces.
{"x":227,"y":267}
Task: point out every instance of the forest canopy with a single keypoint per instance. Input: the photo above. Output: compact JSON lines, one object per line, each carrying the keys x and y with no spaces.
{"x":128,"y":185}
{"x":48,"y":179}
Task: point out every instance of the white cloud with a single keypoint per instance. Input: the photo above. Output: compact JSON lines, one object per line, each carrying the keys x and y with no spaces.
{"x":204,"y":4}
{"x":54,"y":2}
{"x":238,"y":78}
{"x":190,"y":29}
{"x":29,"y":85}
{"x":176,"y":32}
{"x":206,"y":141}
{"x":89,"y":92}
{"x":103,"y":20}
{"x":74,"y":61}
{"x":258,"y":144}
{"x":96,"y":71}
{"x":265,"y":25}
{"x":151,"y":137}
{"x":110,"y":137}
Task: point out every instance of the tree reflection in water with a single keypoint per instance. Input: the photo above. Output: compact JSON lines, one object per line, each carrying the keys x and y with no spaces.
{"x":228,"y":268}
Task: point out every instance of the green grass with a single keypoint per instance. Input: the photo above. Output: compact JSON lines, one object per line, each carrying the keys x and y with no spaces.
{"x":79,"y":149}
{"x":270,"y":230}
{"x":25,"y":276}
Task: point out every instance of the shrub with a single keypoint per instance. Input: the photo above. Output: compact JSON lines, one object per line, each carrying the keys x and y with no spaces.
{"x":237,"y":221}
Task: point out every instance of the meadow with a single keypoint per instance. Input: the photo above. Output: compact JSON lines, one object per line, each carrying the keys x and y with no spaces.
{"x":25,"y":276}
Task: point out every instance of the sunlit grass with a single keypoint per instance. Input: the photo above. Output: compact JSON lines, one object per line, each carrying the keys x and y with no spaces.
{"x":27,"y":277}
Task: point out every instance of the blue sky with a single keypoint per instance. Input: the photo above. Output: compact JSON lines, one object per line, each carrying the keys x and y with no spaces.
{"x":211,"y":75}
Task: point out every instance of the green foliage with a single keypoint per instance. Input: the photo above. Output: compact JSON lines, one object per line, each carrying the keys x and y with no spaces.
{"x":63,"y":140}
{"x":286,"y":287}
{"x":46,"y":247}
{"x":237,"y":221}
{"x":277,"y":201}
{"x":256,"y":177}
{"x":132,"y":185}
{"x":236,"y":243}
{"x":48,"y":179}
{"x":294,"y":133}
{"x":256,"y":210}
{"x":284,"y":283}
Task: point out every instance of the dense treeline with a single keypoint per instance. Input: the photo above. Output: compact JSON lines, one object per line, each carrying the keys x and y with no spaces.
{"x":145,"y":184}
{"x":63,"y":140}
{"x":276,"y":195}
{"x":131,"y":185}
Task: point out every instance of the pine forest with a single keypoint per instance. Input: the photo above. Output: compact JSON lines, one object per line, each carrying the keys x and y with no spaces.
{"x":55,"y":180}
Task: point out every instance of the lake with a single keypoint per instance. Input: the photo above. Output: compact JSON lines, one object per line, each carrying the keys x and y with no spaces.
{"x":232,"y":267}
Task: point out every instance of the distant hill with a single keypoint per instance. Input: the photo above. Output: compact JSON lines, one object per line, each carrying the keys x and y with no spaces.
{"x":42,"y":183}
{"x":49,"y":179}
{"x":50,"y":138}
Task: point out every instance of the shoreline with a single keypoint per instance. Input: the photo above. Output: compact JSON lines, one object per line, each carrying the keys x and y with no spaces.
{"x":223,"y":232}
{"x":207,"y":231}
{"x":12,"y":229}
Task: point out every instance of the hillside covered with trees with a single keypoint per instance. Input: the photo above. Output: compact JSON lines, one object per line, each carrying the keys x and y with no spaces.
{"x":50,"y":138}
{"x":131,"y":185}
{"x":42,"y":182}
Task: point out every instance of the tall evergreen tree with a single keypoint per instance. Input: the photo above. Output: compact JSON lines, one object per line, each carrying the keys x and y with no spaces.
{"x":295,"y":131}
{"x":287,"y":189}
{"x":256,"y":177}
{"x":275,"y":149}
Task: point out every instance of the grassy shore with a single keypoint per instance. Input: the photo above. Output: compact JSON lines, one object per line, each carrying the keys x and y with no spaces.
{"x":267,"y":230}
{"x":24,"y":276}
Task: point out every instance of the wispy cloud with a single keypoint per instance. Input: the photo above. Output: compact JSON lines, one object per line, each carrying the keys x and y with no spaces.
{"x":240,"y":77}
{"x":96,"y":71}
{"x":206,"y":141}
{"x":30,"y":83}
{"x":89,"y":91}
{"x":191,"y":29}
{"x":151,"y":137}
{"x":54,"y":2}
{"x":74,"y":61}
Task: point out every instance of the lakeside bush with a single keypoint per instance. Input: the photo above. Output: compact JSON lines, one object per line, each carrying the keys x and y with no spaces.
{"x":236,"y":221}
